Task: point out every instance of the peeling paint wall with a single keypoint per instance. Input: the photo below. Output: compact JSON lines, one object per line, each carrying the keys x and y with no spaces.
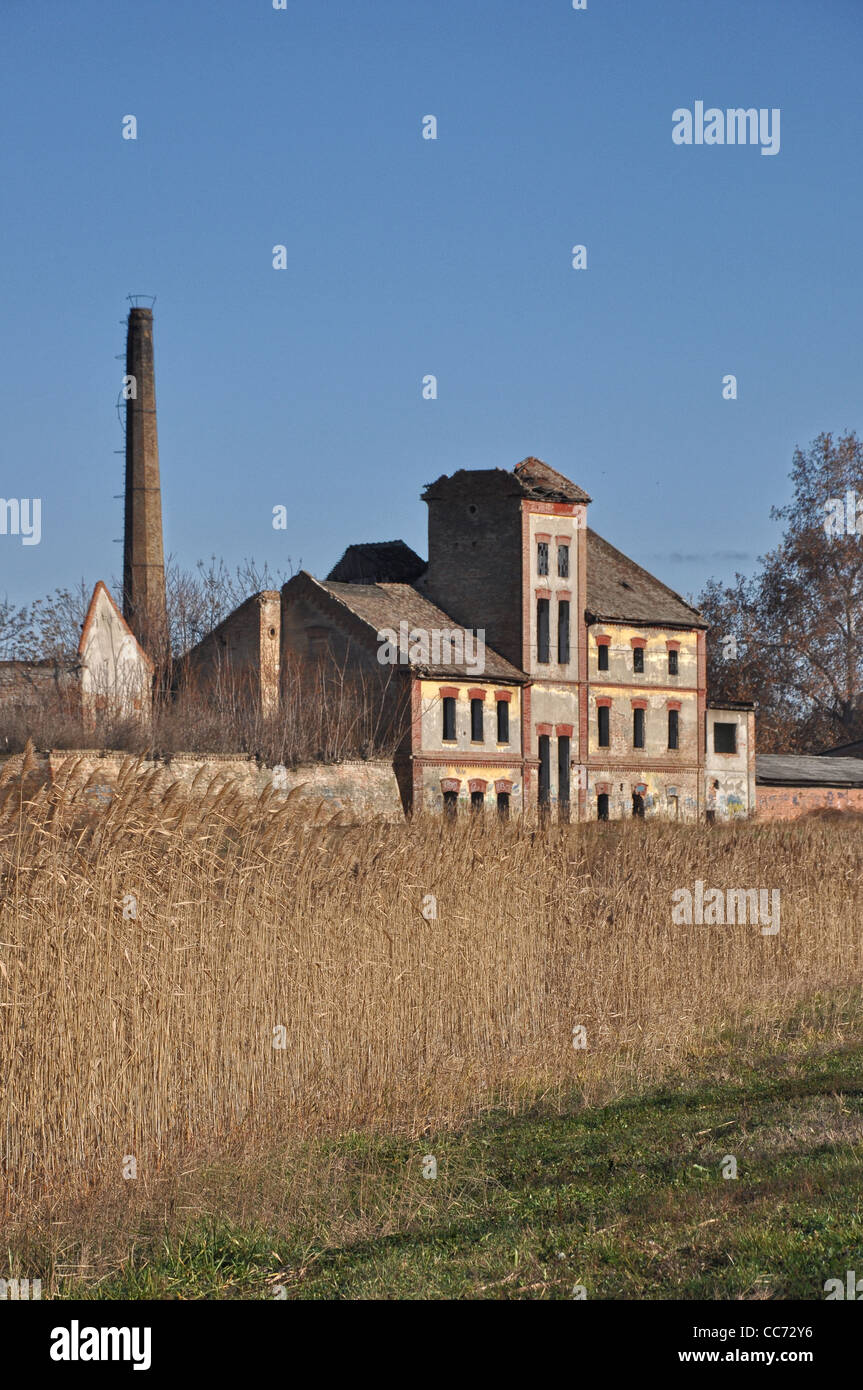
{"x":729,"y":778}
{"x":361,"y":790}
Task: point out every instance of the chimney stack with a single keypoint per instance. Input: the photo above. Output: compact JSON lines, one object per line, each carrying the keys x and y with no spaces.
{"x":144,"y":603}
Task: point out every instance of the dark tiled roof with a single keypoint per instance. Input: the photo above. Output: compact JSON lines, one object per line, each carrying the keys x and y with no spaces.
{"x":807,"y":770}
{"x":377,"y":562}
{"x":619,"y":590}
{"x":381,"y":606}
{"x":530,"y":478}
{"x":844,"y":750}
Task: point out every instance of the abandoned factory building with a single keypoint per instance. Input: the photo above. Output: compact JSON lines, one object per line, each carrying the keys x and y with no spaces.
{"x":546,"y":668}
{"x":535,"y":666}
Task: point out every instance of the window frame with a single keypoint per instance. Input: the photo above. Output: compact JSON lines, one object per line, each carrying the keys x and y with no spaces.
{"x":639,"y":728}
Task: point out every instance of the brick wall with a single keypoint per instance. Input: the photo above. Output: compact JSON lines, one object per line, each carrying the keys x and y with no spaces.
{"x":789,"y":803}
{"x":475,"y":563}
{"x":244,"y":647}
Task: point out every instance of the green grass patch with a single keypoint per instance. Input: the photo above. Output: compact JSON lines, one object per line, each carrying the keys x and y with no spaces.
{"x":628,"y":1201}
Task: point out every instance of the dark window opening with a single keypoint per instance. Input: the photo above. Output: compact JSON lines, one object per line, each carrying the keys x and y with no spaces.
{"x":638,"y":728}
{"x":638,"y":659}
{"x":476,"y":731}
{"x":604,"y":726}
{"x":477,"y":801}
{"x":544,"y":769}
{"x":602,"y":806}
{"x":503,"y":721}
{"x":673,"y":728}
{"x":602,"y":656}
{"x":725,"y":738}
{"x":542,"y":624}
{"x":503,"y":805}
{"x":563,"y":771}
{"x":450,"y":803}
{"x":672,"y":663}
{"x":637,"y":804}
{"x":449,"y":719}
{"x":563,"y":561}
{"x":563,"y":631}
{"x":542,"y":557}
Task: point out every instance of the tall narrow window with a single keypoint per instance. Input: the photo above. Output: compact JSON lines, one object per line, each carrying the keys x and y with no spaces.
{"x":503,"y":721}
{"x":542,"y":640}
{"x":448,"y":719}
{"x":544,"y":769}
{"x":477,"y":801}
{"x":563,"y":561}
{"x":638,"y":728}
{"x":604,"y":722}
{"x":672,"y":662}
{"x":673,"y":728}
{"x":563,"y":771}
{"x":476,"y":732}
{"x":503,"y":805}
{"x":638,"y":659}
{"x":563,"y":631}
{"x":602,"y":806}
{"x":450,"y":803}
{"x":602,"y":656}
{"x":542,"y":557}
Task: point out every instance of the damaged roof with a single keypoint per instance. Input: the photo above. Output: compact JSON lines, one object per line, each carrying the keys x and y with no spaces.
{"x":376,"y":562}
{"x":807,"y":770}
{"x":531,"y":478}
{"x":381,"y":606}
{"x":619,"y":590}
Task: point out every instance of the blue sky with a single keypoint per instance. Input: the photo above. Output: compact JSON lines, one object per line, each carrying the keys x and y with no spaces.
{"x":406,"y":257}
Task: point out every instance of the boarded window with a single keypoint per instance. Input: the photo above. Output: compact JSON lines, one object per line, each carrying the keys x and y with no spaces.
{"x":544,"y":769}
{"x":542,"y":557}
{"x":476,"y":733}
{"x":673,"y":728}
{"x":542,"y":639}
{"x":638,"y":659}
{"x":638,"y":728}
{"x":563,"y":770}
{"x":449,"y":719}
{"x":503,"y":721}
{"x":602,"y":657}
{"x":672,"y":663}
{"x":725,"y":738}
{"x":563,"y":631}
{"x":563,"y":561}
{"x":604,"y":726}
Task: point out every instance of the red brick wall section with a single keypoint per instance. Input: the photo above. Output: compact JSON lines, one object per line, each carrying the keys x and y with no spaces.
{"x":789,"y":803}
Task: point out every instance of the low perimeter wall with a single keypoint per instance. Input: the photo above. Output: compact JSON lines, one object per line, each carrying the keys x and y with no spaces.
{"x":361,"y":789}
{"x":788,"y":803}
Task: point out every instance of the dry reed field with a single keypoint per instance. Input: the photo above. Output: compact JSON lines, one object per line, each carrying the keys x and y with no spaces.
{"x":184,"y":975}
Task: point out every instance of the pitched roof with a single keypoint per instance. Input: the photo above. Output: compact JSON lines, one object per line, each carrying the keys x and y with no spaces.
{"x":807,"y":770}
{"x":380,"y":606}
{"x":619,"y":590}
{"x":531,"y":478}
{"x":541,"y":482}
{"x":376,"y":562}
{"x":844,"y":750}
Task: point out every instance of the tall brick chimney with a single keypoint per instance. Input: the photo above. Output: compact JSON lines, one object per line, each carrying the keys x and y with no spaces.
{"x":144,"y":605}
